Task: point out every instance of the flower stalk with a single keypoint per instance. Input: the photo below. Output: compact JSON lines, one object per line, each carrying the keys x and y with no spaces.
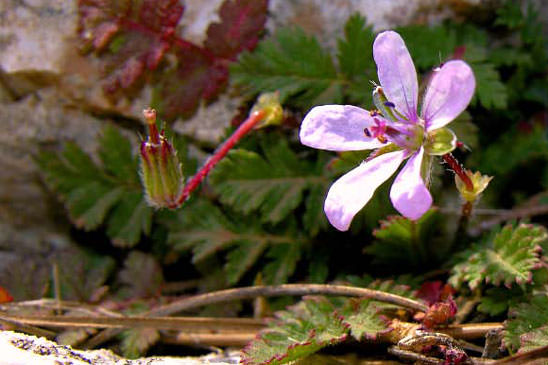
{"x":244,"y":128}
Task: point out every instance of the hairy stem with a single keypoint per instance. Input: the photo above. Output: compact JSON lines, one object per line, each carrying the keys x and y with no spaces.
{"x":221,"y":152}
{"x":459,"y":170}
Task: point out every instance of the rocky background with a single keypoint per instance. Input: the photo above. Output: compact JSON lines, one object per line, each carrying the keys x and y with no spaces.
{"x":51,"y":94}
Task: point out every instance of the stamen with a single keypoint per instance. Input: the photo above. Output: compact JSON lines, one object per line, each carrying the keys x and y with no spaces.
{"x":389,"y":104}
{"x":366,"y":132}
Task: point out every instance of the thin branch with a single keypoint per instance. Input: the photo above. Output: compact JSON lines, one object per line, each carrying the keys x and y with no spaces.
{"x":9,"y":324}
{"x":280,"y":290}
{"x":195,"y":324}
{"x":238,"y":339}
{"x":469,"y":331}
{"x":517,"y":213}
{"x":263,"y":291}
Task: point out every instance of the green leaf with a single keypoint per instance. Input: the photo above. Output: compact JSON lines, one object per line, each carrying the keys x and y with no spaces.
{"x":135,"y":342}
{"x":353,"y":56}
{"x":274,"y":184}
{"x":131,"y":217}
{"x":428,"y":46}
{"x":116,"y":155}
{"x":508,"y":258}
{"x":206,"y":230}
{"x":141,"y":276}
{"x":284,"y":258}
{"x":512,"y":149}
{"x":242,"y":258}
{"x":292,"y":63}
{"x":509,"y":15}
{"x":298,"y":332}
{"x":363,"y":318}
{"x":401,"y":240}
{"x":527,"y":317}
{"x":109,"y":193}
{"x":89,"y":203}
{"x":85,"y":274}
{"x":491,"y":93}
{"x":496,"y":301}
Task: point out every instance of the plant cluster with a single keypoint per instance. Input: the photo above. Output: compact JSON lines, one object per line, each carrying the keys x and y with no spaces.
{"x":259,"y":216}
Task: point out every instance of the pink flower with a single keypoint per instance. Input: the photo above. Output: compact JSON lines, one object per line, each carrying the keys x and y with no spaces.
{"x":415,"y":136}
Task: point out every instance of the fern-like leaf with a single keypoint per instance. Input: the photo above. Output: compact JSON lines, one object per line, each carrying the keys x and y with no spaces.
{"x":274,"y":184}
{"x":298,"y":332}
{"x":206,"y":230}
{"x":292,"y":63}
{"x":506,"y":260}
{"x":95,"y":194}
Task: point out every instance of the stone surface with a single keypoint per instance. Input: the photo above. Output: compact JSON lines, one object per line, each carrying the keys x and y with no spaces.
{"x":32,"y":40}
{"x":209,"y":122}
{"x":35,"y":122}
{"x":20,"y":349}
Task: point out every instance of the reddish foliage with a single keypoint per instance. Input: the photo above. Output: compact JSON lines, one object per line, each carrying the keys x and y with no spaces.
{"x":133,"y":36}
{"x":434,"y":291}
{"x":5,"y":296}
{"x":241,"y":23}
{"x":439,"y":297}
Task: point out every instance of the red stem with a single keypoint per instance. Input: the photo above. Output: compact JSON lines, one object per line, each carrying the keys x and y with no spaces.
{"x":221,"y":152}
{"x":459,"y":170}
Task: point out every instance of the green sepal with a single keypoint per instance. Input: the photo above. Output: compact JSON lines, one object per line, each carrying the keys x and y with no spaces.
{"x":440,"y":142}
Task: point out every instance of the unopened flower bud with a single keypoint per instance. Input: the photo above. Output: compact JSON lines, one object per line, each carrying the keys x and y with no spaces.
{"x":161,"y":172}
{"x":479,"y":184}
{"x":269,"y":105}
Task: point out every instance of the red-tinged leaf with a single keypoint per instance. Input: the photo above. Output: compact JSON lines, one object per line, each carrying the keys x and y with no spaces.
{"x":130,"y":36}
{"x":99,"y":21}
{"x":196,"y":77}
{"x":5,"y":296}
{"x":242,"y":22}
{"x":135,"y":54}
{"x":434,"y":291}
{"x":161,"y":15}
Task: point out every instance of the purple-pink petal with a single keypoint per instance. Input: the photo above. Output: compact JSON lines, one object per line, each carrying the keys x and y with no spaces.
{"x":349,"y":194}
{"x":409,"y":194}
{"x":448,"y":94}
{"x":396,"y":72}
{"x":337,"y":128}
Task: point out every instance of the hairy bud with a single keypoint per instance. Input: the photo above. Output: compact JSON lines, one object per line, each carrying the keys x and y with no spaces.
{"x":161,"y":172}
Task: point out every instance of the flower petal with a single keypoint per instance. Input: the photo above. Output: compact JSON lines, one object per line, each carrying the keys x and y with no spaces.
{"x":409,"y":194}
{"x":396,"y":72}
{"x":349,"y":194}
{"x":448,"y":94}
{"x":337,"y":128}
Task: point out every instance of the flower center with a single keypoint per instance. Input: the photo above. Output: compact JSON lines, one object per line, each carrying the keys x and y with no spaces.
{"x":409,"y":136}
